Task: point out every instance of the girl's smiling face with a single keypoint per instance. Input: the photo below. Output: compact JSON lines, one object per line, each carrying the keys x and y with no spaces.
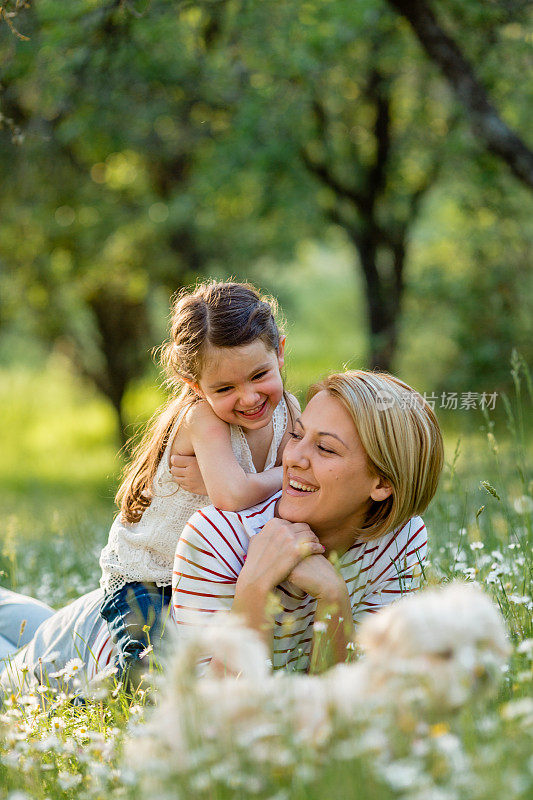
{"x":327,"y":481}
{"x":243,"y":385}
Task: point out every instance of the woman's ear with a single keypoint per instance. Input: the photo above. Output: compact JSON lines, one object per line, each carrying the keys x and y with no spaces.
{"x":281,"y":351}
{"x":381,"y":491}
{"x":194,"y":386}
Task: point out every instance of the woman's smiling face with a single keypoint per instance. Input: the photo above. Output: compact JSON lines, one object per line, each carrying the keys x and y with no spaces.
{"x":326,"y":477}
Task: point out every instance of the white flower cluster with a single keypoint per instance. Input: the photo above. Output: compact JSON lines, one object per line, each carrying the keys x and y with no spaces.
{"x":433,"y":650}
{"x":51,"y":744}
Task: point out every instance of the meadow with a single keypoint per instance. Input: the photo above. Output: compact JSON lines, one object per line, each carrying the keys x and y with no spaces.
{"x":58,"y":474}
{"x":335,"y":155}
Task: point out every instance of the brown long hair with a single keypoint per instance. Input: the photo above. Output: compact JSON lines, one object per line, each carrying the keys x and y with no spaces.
{"x":213,"y":313}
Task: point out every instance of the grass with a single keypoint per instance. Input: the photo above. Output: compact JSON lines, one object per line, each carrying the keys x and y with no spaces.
{"x":59,"y":471}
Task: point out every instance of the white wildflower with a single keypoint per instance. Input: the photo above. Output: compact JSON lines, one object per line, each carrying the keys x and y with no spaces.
{"x":200,"y":782}
{"x":42,"y":689}
{"x":346,"y":750}
{"x":470,"y":573}
{"x":281,"y":795}
{"x":432,"y":792}
{"x":403,"y":774}
{"x":253,"y":784}
{"x":525,"y":647}
{"x":127,"y":777}
{"x":320,"y":627}
{"x":47,"y":744}
{"x":450,"y":745}
{"x":59,"y":674}
{"x":420,"y":747}
{"x":305,"y":772}
{"x":523,"y":504}
{"x":487,"y":725}
{"x":519,"y":600}
{"x":373,"y":740}
{"x":68,"y":780}
{"x":429,"y":647}
{"x":518,"y":709}
{"x":11,"y":758}
{"x":73,"y":667}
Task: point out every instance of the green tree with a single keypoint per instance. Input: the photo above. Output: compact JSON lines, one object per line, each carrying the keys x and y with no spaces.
{"x":116,"y":118}
{"x":487,"y":124}
{"x":142,"y":150}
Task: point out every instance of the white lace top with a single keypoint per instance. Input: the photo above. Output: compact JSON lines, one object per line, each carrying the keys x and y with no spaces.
{"x":144,"y":550}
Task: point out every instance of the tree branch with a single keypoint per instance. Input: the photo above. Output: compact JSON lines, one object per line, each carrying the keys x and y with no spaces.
{"x":325,"y":175}
{"x":486,"y":123}
{"x":418,"y":195}
{"x":377,"y":93}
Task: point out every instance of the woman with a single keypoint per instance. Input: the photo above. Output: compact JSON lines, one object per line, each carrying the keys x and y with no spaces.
{"x":364,"y":461}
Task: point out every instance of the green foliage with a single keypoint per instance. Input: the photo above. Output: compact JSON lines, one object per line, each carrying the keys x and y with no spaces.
{"x":142,"y":149}
{"x":143,"y":146}
{"x":471,"y":275}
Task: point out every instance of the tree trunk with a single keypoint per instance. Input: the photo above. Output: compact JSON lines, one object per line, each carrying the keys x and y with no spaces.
{"x":121,"y":427}
{"x":124,"y":341}
{"x":383,"y":302}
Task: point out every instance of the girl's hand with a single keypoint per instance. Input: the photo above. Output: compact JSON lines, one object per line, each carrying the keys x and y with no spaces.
{"x":318,"y":577}
{"x":186,"y":473}
{"x":274,"y":553}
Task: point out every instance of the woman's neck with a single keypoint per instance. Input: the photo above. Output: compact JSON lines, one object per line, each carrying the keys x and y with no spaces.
{"x":336,"y":541}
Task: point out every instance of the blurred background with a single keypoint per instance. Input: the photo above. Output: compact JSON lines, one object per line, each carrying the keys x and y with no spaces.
{"x":321,"y":150}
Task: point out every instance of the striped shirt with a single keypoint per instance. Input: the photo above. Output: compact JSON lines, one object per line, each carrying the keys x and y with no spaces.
{"x":211,"y":552}
{"x":208,"y":560}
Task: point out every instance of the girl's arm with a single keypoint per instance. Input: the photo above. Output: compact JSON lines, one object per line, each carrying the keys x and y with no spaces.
{"x":228,"y":486}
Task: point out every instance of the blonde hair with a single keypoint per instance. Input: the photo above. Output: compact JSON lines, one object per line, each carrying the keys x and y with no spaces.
{"x":212,"y":314}
{"x":402,"y":440}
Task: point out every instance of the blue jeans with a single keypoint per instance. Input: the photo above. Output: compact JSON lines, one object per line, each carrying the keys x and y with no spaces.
{"x":136,"y":616}
{"x":20,"y":616}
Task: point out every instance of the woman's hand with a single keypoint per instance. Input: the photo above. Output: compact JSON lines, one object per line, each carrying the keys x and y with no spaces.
{"x":272,"y":555}
{"x":275,"y":552}
{"x":319,"y":578}
{"x":335,"y":629}
{"x":186,"y":473}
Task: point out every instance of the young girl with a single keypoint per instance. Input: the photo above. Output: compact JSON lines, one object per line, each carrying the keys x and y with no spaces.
{"x":223,"y":362}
